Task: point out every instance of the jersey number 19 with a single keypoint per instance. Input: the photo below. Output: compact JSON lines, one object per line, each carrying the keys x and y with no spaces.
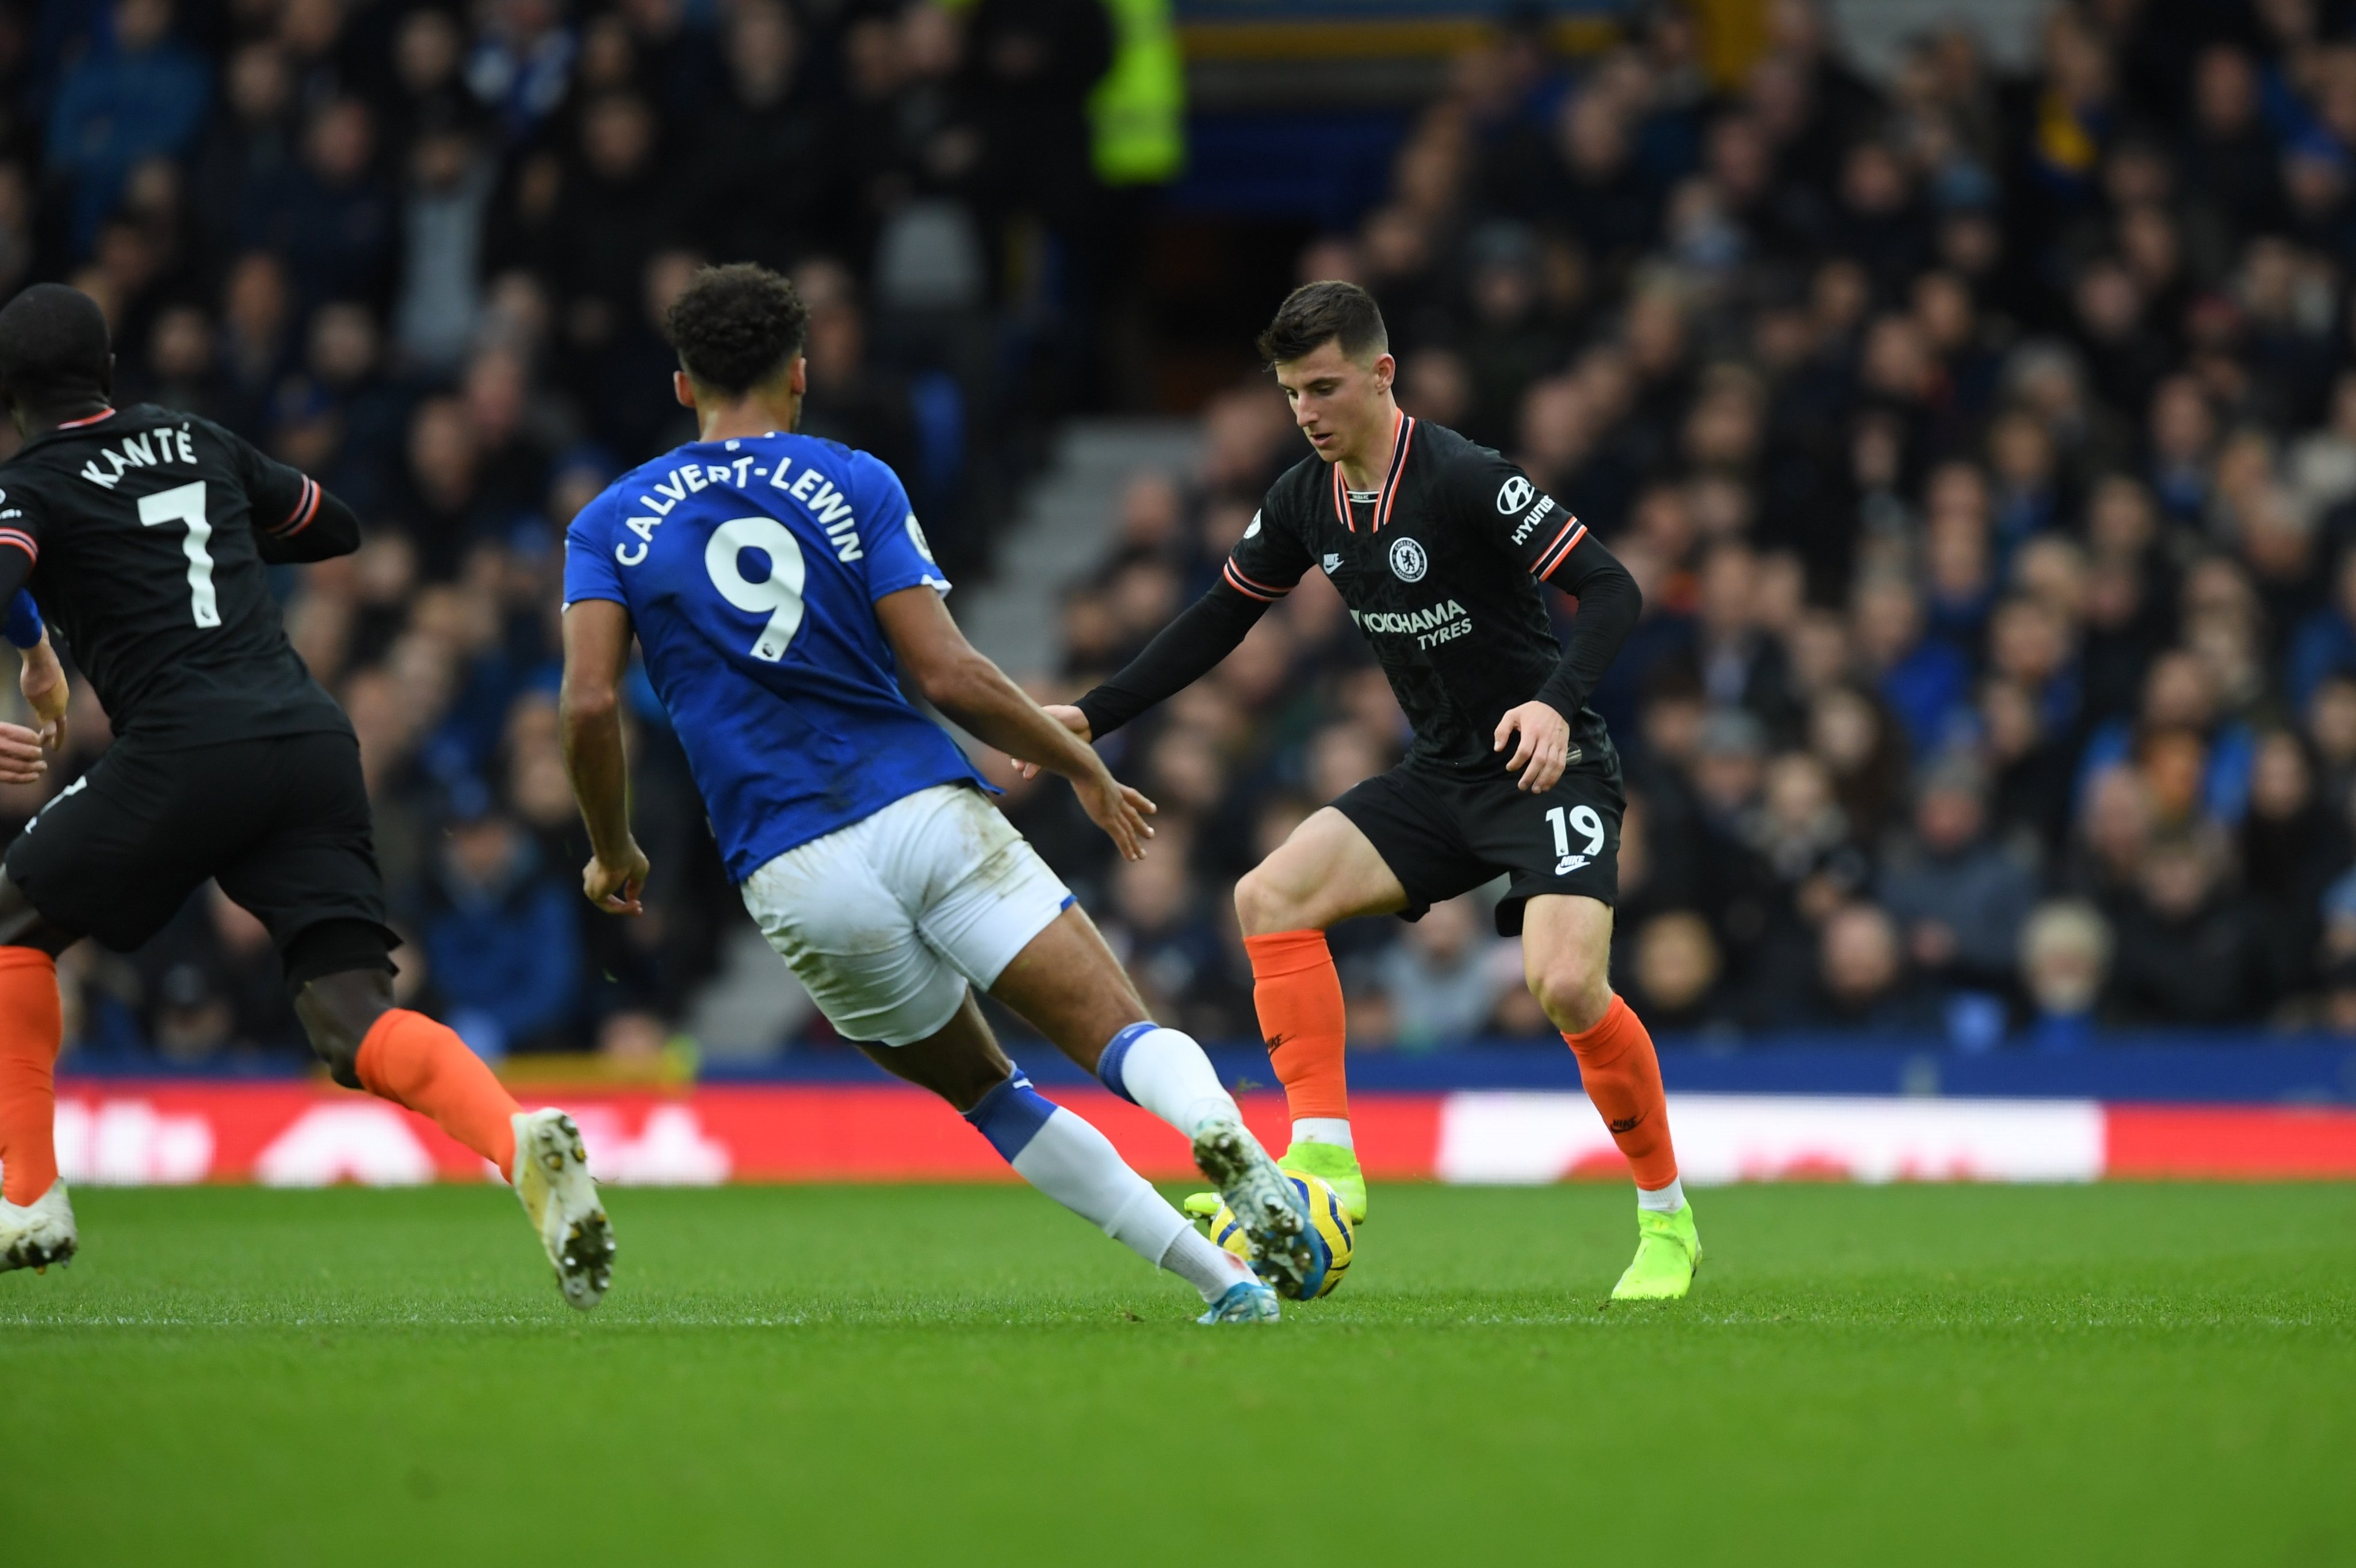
{"x":186,"y":503}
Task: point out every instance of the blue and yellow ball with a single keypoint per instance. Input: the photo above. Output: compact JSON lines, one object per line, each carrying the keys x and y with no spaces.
{"x":1329,"y":1233}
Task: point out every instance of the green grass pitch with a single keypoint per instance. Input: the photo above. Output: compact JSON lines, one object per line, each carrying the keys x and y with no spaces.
{"x":960,"y":1375}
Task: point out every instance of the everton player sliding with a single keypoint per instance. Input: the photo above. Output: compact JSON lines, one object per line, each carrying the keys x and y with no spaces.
{"x":1437,"y":546}
{"x":782,"y":594}
{"x":146,"y":536}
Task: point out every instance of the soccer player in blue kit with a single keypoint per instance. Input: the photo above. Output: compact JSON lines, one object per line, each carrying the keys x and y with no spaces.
{"x":781,"y":591}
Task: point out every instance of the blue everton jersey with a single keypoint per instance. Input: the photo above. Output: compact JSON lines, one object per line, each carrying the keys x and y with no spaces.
{"x":751,"y":569}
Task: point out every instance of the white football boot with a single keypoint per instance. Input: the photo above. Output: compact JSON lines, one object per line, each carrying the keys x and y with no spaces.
{"x":551,"y":1180}
{"x":1263,"y":1198}
{"x":35,"y":1235}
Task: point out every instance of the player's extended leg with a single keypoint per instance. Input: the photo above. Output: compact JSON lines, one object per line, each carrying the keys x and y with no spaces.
{"x":344,"y":998}
{"x":1065,"y":1157}
{"x":1327,"y":871}
{"x":37,"y":1222}
{"x":1068,"y":983}
{"x":1566,"y":959}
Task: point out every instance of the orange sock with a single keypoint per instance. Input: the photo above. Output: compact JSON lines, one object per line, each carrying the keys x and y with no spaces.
{"x":1621,"y":1072}
{"x":414,"y":1061}
{"x":32,"y":1026}
{"x":1297,"y":994}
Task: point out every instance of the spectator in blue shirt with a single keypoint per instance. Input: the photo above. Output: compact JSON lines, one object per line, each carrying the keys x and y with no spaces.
{"x":134,"y":97}
{"x":2325,"y":644}
{"x":501,"y":932}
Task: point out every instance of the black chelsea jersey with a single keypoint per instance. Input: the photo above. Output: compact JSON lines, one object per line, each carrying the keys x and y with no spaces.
{"x":1440,"y":569}
{"x":146,"y":530}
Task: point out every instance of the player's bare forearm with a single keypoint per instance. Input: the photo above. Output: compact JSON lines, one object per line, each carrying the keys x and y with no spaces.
{"x":600,"y":767}
{"x":995,"y":711}
{"x":976,"y":694}
{"x":589,"y":713}
{"x":43,"y":681}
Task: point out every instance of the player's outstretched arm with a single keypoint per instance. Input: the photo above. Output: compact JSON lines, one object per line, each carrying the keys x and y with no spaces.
{"x":589,"y":708}
{"x":1180,"y":654}
{"x":950,"y":673}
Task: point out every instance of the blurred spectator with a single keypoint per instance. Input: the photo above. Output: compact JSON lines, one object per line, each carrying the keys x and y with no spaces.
{"x":447,"y":190}
{"x":2187,"y":952}
{"x":500,"y":930}
{"x":1675,"y":974}
{"x":328,"y":215}
{"x":1861,"y":977}
{"x":137,"y":92}
{"x":1443,"y":980}
{"x":1959,"y":896}
{"x":2066,"y":954}
{"x":213,"y":987}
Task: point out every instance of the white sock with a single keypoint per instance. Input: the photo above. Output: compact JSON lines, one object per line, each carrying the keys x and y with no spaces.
{"x":1662,"y":1199}
{"x":1167,"y":1073}
{"x":1333,"y":1130}
{"x":1210,"y":1270}
{"x":1065,"y":1157}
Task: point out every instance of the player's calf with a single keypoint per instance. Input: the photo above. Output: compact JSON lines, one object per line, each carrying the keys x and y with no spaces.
{"x":1065,"y":1157}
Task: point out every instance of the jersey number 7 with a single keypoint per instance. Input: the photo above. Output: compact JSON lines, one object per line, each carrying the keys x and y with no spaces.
{"x":186,"y":503}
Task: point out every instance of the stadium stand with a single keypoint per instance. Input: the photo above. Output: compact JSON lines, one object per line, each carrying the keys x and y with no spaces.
{"x":1984,"y":444}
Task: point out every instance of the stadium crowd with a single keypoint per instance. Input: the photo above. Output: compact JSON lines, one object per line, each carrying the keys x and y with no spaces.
{"x":1986,"y":449}
{"x":422,"y":251}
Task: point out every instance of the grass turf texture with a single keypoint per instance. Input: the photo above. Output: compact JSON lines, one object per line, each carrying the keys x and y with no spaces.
{"x":2117,"y":1374}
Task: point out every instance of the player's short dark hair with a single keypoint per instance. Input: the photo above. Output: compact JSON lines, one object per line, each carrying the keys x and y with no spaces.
{"x":1318,"y":312}
{"x":737,"y":327}
{"x":53,"y":346}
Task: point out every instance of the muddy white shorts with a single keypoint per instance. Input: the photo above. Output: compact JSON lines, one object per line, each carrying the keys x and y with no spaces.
{"x":886,"y":921}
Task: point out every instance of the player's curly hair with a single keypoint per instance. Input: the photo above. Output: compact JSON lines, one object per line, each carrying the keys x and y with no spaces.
{"x":736,"y":326}
{"x":1318,"y":313}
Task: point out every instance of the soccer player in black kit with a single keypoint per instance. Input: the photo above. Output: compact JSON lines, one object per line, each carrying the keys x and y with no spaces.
{"x":1438,"y":546}
{"x":145,"y":537}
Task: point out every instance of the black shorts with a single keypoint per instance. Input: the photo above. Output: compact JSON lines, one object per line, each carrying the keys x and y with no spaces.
{"x":282,"y":824}
{"x":1443,"y":835}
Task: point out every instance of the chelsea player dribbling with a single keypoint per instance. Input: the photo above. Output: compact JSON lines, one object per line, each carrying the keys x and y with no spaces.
{"x":781,"y":591}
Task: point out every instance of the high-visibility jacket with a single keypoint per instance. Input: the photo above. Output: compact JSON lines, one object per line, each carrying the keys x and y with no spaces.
{"x":1138,"y":111}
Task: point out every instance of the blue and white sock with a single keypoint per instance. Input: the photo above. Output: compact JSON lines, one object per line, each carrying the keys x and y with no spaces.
{"x":1071,"y":1162}
{"x":1167,"y":1073}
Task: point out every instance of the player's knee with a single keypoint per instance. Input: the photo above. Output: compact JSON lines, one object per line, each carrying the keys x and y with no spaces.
{"x":1575,"y":996}
{"x":1262,"y":906}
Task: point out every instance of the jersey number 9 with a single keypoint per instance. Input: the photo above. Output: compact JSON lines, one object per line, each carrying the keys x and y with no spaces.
{"x":778,"y":594}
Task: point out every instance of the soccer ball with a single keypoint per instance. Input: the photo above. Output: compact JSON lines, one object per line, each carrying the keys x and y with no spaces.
{"x":1329,"y":1235}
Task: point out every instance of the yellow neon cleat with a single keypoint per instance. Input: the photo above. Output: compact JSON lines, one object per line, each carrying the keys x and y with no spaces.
{"x":1668,"y":1250}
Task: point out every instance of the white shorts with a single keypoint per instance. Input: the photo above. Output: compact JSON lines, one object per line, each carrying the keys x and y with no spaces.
{"x":886,"y":921}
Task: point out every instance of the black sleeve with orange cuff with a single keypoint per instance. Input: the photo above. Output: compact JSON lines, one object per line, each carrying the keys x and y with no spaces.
{"x":317,"y":528}
{"x":1180,"y":654}
{"x":1609,"y":603}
